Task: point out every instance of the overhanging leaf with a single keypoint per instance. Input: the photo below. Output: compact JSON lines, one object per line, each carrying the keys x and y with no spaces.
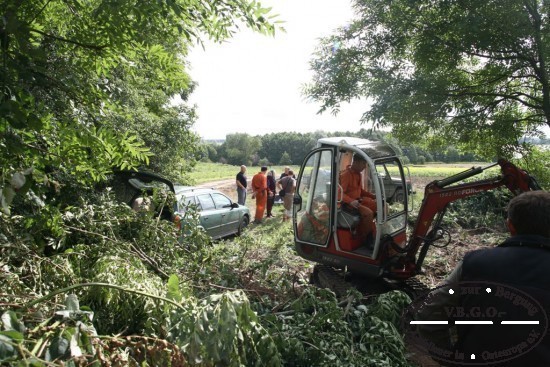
{"x":11,"y":322}
{"x":7,"y":350}
{"x":16,"y":336}
{"x":58,"y":349}
{"x":174,"y":288}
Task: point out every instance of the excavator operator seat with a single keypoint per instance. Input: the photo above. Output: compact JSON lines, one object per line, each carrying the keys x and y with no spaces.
{"x":347,"y":220}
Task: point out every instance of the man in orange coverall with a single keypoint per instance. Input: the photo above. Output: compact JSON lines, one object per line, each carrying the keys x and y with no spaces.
{"x":355,"y":197}
{"x":260,"y":191}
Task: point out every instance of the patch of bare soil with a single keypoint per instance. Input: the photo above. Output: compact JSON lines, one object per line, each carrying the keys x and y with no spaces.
{"x":228,"y":187}
{"x":441,"y":261}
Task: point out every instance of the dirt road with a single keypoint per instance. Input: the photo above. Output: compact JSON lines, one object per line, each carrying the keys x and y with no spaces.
{"x":228,"y":187}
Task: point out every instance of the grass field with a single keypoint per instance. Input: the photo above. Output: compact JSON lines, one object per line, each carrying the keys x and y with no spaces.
{"x":442,"y":169}
{"x":208,"y":172}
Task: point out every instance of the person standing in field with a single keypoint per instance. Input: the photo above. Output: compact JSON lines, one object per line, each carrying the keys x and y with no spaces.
{"x":260,"y":192}
{"x":288,"y":184}
{"x":241,"y":186}
{"x":285,"y":173}
{"x":271,"y":186}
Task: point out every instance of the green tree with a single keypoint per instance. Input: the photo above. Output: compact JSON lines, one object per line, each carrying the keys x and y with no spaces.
{"x":412,"y":154}
{"x":452,"y":155}
{"x":538,"y":165}
{"x":165,"y":129}
{"x":211,"y":152}
{"x":242,"y":149}
{"x":473,"y":73}
{"x":71,"y":71}
{"x":297,"y":145}
{"x":428,"y":156}
{"x":285,"y":159}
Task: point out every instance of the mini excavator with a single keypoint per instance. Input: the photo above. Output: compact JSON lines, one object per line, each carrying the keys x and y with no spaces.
{"x":326,"y":233}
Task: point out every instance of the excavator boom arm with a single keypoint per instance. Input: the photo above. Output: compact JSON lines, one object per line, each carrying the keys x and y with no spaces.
{"x":439,"y":194}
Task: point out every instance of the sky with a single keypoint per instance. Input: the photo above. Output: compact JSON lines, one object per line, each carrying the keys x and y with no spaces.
{"x":252,"y":83}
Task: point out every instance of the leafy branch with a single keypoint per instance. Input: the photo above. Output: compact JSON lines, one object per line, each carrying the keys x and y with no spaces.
{"x":105,"y":285}
{"x":77,"y":43}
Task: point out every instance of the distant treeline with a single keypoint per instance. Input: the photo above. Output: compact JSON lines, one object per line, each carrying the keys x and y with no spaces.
{"x":291,"y":148}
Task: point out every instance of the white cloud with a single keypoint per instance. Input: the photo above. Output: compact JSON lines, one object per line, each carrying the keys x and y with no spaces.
{"x":252,"y":83}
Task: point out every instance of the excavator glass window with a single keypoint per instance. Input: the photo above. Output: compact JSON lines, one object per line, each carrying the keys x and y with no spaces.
{"x":315,"y":192}
{"x":395,"y":193}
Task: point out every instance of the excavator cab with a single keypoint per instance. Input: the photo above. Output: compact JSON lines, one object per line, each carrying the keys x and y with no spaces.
{"x":326,"y":230}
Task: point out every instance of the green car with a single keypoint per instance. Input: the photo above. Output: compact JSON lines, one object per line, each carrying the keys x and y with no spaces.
{"x":219,"y":216}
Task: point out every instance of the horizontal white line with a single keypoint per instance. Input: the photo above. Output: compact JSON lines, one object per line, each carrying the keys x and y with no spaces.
{"x":474,"y":322}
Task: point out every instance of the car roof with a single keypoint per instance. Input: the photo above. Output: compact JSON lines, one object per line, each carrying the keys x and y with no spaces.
{"x":187,"y":190}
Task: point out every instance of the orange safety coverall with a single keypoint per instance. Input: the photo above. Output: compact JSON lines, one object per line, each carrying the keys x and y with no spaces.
{"x":350,"y":181}
{"x":259,"y":187}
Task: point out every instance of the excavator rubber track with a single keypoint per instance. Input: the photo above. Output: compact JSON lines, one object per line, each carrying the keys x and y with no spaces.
{"x":340,"y":283}
{"x":330,"y":278}
{"x":412,"y":286}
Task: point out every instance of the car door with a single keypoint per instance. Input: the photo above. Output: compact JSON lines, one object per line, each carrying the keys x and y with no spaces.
{"x":230,"y":217}
{"x":210,"y":217}
{"x":185,"y":202}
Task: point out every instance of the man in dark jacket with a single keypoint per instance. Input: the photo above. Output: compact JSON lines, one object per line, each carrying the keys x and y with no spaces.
{"x":240,"y":180}
{"x":507,"y":286}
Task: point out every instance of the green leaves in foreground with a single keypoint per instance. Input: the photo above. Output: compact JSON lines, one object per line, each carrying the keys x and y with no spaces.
{"x":10,"y":336}
{"x":320,"y":332}
{"x":223,"y":330}
{"x":66,"y":336}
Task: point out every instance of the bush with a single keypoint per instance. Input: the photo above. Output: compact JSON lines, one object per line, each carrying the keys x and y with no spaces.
{"x":537,"y":164}
{"x":268,"y":314}
{"x":222,"y":330}
{"x":264,"y":162}
{"x":485,"y":209}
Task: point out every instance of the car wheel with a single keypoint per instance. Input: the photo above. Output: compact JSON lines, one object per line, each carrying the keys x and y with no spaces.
{"x":399,"y":196}
{"x":244,"y":222}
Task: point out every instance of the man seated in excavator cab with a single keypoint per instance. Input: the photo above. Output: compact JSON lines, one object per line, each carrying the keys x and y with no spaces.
{"x":356,"y":199}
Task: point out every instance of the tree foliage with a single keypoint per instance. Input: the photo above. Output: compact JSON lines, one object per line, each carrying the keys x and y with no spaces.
{"x":537,"y":164}
{"x":291,"y":148}
{"x":79,"y":79}
{"x":468,"y":72}
{"x":285,"y":159}
{"x":241,"y":148}
{"x":146,"y":112}
{"x":296,"y":145}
